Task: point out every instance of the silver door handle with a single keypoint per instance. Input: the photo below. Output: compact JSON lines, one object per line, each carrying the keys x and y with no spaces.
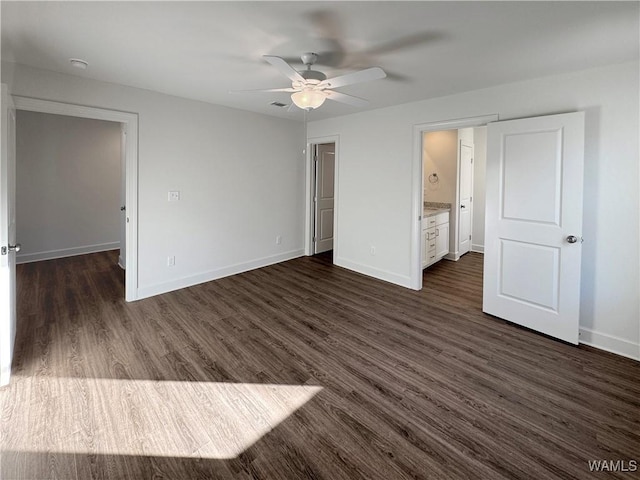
{"x":11,"y":248}
{"x":572,"y":239}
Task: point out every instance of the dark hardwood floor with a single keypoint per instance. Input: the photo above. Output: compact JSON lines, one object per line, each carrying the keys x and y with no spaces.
{"x":301,"y":370}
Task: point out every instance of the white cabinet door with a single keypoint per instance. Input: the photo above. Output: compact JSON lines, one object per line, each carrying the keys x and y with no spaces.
{"x":442,"y":240}
{"x":7,"y":235}
{"x":534,"y":223}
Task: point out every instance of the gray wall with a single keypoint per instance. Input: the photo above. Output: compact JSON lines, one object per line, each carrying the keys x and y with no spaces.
{"x":67,"y":185}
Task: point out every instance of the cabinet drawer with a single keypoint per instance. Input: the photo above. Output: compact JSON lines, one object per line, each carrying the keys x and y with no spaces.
{"x":430,"y":233}
{"x":442,"y":218}
{"x":428,"y":222}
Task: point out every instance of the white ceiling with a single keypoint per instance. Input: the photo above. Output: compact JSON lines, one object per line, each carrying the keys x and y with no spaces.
{"x":201,"y":50}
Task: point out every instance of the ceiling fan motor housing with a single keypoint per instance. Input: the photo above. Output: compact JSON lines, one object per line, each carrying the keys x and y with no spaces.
{"x":309,"y":59}
{"x":313,"y":75}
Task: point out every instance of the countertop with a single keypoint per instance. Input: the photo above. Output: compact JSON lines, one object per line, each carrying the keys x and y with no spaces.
{"x":430,"y":212}
{"x":434,"y":208}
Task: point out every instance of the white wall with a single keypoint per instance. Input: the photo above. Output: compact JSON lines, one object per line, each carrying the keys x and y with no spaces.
{"x":479,"y":176}
{"x":440,"y":156}
{"x":610,"y":308}
{"x":240,"y":175}
{"x":67,"y":185}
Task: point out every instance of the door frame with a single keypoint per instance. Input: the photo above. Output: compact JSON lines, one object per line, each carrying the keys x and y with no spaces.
{"x":130,"y":122}
{"x":8,"y":317}
{"x":310,"y":191}
{"x":418,"y":180}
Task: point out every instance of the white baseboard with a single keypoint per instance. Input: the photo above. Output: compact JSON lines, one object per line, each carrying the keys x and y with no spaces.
{"x":609,"y":343}
{"x":208,"y":276}
{"x":65,"y":252}
{"x":390,"y":277}
{"x":121,"y":262}
{"x":477,"y":248}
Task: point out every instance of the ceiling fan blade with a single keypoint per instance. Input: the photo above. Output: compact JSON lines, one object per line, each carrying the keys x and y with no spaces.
{"x":373,"y":73}
{"x":284,"y":68}
{"x":414,"y":40}
{"x":348,"y":99}
{"x":289,"y":89}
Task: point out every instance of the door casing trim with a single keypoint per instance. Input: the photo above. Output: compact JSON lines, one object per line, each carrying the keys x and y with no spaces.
{"x":417,"y":183}
{"x":310,"y":187}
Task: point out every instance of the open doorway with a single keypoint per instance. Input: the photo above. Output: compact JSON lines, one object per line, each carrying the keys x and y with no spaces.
{"x":530,"y":255}
{"x":69,"y":183}
{"x":451,"y":226}
{"x":127,"y":188}
{"x":321,"y":211}
{"x":444,"y":197}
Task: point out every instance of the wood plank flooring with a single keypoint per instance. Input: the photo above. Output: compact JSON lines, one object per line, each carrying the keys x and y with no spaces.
{"x":300,"y":370}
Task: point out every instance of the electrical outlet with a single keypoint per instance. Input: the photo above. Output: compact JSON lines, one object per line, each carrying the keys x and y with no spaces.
{"x":278,"y":240}
{"x":174,"y":195}
{"x":372,"y":250}
{"x":171,"y":260}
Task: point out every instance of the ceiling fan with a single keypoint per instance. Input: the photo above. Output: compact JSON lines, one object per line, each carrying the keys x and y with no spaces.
{"x":310,"y":88}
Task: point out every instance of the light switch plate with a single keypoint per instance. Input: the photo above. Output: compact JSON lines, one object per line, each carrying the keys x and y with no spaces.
{"x":174,"y":195}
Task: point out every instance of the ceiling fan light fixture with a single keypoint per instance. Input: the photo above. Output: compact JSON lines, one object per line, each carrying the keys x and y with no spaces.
{"x":308,"y":99}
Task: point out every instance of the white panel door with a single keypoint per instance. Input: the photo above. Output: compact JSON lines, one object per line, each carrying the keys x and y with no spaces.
{"x":534,"y":223}
{"x":466,"y":190}
{"x":7,"y":235}
{"x":325,"y":181}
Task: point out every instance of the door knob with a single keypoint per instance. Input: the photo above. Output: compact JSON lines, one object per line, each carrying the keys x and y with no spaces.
{"x":572,"y":239}
{"x":10,"y":248}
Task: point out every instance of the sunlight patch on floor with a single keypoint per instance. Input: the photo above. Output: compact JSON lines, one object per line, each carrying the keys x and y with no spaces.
{"x":144,"y":417}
